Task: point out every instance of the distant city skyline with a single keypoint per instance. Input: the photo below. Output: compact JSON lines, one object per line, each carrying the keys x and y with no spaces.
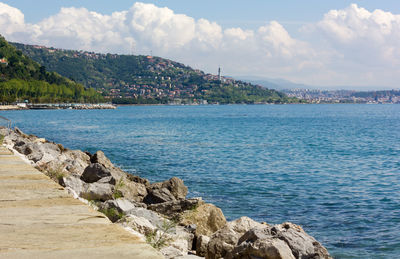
{"x":319,"y":43}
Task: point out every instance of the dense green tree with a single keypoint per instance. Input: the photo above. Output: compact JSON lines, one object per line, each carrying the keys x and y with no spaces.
{"x":21,"y":79}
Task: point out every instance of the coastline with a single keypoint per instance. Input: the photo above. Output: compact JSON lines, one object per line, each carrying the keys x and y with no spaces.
{"x":143,"y":208}
{"x":58,"y":106}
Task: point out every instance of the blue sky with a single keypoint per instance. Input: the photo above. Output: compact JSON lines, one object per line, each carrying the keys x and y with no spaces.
{"x":226,"y":12}
{"x":316,"y":42}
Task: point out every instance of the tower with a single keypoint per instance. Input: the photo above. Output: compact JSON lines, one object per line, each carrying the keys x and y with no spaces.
{"x":219,"y":73}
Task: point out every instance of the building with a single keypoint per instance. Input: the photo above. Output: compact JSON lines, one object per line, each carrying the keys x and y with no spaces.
{"x":4,"y":61}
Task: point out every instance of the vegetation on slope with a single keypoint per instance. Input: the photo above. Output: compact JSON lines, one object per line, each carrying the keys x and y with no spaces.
{"x":21,"y":79}
{"x":144,"y":79}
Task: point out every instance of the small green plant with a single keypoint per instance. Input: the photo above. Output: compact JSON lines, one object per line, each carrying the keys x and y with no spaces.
{"x":112,"y":213}
{"x":159,"y":237}
{"x":117,"y":190}
{"x":194,"y":207}
{"x":1,"y":139}
{"x":55,"y":174}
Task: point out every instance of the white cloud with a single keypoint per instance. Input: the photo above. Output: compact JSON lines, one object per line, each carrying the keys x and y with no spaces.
{"x":345,"y":47}
{"x":364,"y":45}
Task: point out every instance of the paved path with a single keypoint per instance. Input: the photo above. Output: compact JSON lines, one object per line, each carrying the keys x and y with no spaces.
{"x":39,"y":219}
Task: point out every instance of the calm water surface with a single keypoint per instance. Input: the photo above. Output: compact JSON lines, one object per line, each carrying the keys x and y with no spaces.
{"x":334,"y":169}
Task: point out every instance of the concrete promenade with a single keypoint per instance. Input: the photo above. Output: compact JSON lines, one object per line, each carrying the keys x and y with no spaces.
{"x":39,"y":219}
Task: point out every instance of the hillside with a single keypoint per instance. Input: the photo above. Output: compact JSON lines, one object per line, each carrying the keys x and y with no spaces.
{"x":21,"y":79}
{"x":147,"y":79}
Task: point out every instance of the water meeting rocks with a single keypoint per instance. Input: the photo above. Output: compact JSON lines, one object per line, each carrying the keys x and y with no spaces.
{"x":161,"y":210}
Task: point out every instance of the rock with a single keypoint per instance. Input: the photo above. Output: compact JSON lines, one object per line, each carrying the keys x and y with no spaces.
{"x":30,"y":150}
{"x":171,"y":252}
{"x":122,"y":205}
{"x":258,"y":243}
{"x":181,"y":239}
{"x":188,"y":256}
{"x":139,"y":224}
{"x":51,"y":151}
{"x":151,"y":216}
{"x":75,"y":184}
{"x":108,"y":179}
{"x":100,"y":158}
{"x":201,"y":245}
{"x":98,"y":191}
{"x":35,"y":156}
{"x":137,"y":179}
{"x":95,"y":172}
{"x":176,"y":187}
{"x":75,"y":161}
{"x":177,"y":240}
{"x":156,"y":195}
{"x":170,"y":190}
{"x":207,"y":217}
{"x":173,"y":209}
{"x":225,"y":239}
{"x":132,"y":190}
{"x":301,"y":244}
{"x":280,"y":241}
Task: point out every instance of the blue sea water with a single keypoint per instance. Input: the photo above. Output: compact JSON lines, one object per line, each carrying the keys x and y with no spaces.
{"x":333,"y":169}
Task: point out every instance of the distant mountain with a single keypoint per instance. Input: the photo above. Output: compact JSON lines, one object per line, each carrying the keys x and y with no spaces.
{"x":21,"y":79}
{"x":283,"y":84}
{"x":275,"y":83}
{"x":147,"y":79}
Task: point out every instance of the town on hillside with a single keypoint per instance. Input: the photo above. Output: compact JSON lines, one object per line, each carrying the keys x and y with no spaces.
{"x":345,"y":96}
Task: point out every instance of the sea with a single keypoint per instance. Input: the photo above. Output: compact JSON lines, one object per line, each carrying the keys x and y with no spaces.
{"x":333,"y":169}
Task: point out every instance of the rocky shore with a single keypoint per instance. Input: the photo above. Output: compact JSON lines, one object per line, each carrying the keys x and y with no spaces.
{"x":159,"y":212}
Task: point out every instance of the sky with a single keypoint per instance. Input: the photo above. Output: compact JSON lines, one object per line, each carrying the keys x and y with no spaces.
{"x":320,"y":43}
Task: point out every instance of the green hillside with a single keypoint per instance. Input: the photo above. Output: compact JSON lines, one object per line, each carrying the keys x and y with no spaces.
{"x":145,"y":79}
{"x":21,"y":79}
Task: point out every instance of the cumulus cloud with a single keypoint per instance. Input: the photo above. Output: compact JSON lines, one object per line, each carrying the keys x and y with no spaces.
{"x":342,"y":46}
{"x":362,"y":42}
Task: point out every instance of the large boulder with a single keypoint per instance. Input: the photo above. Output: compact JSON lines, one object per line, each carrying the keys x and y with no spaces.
{"x":176,"y":187}
{"x":173,"y":209}
{"x":224,"y":240}
{"x":207,"y":217}
{"x":100,"y":158}
{"x":282,"y":241}
{"x":131,"y":190}
{"x":30,"y":150}
{"x":75,"y":161}
{"x":95,"y":172}
{"x":170,"y":190}
{"x":202,"y":245}
{"x":51,"y":151}
{"x":301,"y":244}
{"x":158,"y":195}
{"x":121,"y":205}
{"x":139,"y":224}
{"x":138,"y":179}
{"x":74,"y":184}
{"x":258,"y":243}
{"x":154,"y":218}
{"x":90,"y":191}
{"x":181,"y":239}
{"x":98,"y":191}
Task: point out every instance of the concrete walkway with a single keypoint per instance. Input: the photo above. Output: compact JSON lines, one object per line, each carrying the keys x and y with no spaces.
{"x":39,"y":219}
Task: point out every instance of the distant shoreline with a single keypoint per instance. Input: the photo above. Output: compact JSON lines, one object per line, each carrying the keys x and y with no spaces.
{"x":58,"y":106}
